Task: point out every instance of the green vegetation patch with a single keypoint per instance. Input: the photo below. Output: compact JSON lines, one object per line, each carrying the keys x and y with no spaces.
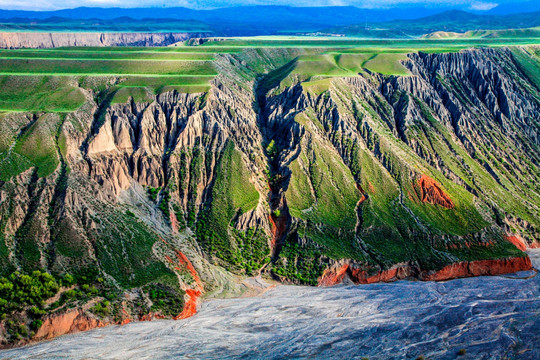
{"x":338,"y":63}
{"x":322,"y":193}
{"x":19,"y":290}
{"x":125,"y":250}
{"x":300,"y":263}
{"x":104,"y":66}
{"x":232,"y":195}
{"x":35,"y":147}
{"x":387,"y":64}
{"x":529,"y":62}
{"x":39,"y":93}
{"x":165,"y":299}
{"x":138,"y":94}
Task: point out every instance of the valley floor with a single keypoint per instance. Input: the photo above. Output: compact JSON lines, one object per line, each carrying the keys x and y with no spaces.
{"x":489,"y":317}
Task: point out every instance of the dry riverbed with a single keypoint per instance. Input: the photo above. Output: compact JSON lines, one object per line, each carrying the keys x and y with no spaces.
{"x":489,"y":317}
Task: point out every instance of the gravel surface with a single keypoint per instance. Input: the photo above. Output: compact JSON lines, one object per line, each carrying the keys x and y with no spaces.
{"x":489,"y":317}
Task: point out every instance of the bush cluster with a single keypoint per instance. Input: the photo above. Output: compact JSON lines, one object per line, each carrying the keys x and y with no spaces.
{"x":20,"y":290}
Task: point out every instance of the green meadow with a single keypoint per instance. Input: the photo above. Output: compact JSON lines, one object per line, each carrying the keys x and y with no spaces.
{"x":54,"y":80}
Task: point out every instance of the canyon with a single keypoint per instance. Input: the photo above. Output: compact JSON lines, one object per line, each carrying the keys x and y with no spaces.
{"x":432,"y":175}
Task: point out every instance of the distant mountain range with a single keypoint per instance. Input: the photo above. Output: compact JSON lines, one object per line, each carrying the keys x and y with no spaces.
{"x":265,"y":20}
{"x":451,"y":21}
{"x":121,"y":24}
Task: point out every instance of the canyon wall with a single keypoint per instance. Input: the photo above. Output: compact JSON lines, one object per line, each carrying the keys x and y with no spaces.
{"x":15,"y":40}
{"x":429,"y":176}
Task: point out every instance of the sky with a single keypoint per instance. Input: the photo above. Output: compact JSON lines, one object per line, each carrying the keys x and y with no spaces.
{"x":208,"y":4}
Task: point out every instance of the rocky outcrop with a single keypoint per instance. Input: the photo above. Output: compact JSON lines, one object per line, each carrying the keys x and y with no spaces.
{"x":15,"y":40}
{"x":69,"y":322}
{"x":431,"y":192}
{"x":352,"y":272}
{"x":479,"y":268}
{"x":517,"y":241}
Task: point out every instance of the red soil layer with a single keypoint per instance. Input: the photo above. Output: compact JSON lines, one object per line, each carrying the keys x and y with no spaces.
{"x":364,"y":197}
{"x":174,"y":222}
{"x":468,"y":244}
{"x":69,"y":322}
{"x":185,"y":261}
{"x":190,"y":307}
{"x":278,"y":226}
{"x":517,"y":241}
{"x":75,"y":321}
{"x":192,"y":295}
{"x":458,"y":270}
{"x":479,"y":268}
{"x":431,"y":192}
{"x":335,"y":276}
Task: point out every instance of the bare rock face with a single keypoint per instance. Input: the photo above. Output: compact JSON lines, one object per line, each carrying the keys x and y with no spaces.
{"x":337,"y":274}
{"x":432,"y":193}
{"x":69,"y":322}
{"x":15,"y":40}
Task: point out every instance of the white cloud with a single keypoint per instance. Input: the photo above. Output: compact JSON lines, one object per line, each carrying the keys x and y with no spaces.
{"x":482,"y":6}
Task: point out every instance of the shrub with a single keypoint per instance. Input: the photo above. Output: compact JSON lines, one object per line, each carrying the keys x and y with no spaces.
{"x":68,"y":280}
{"x":36,"y":324}
{"x":102,"y":309}
{"x":21,"y":290}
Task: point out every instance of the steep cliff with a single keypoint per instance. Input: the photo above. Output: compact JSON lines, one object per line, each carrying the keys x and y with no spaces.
{"x":373,"y":177}
{"x":16,"y":40}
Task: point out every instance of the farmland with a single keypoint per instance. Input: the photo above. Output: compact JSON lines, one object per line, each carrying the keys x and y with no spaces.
{"x":52,"y":80}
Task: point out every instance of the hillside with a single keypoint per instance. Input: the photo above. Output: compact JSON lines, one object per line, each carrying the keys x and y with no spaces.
{"x":483,"y":34}
{"x":399,"y":20}
{"x":449,"y":21}
{"x":144,"y":180}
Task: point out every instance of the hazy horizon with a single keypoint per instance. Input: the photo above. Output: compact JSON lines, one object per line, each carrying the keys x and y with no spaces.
{"x":44,"y":5}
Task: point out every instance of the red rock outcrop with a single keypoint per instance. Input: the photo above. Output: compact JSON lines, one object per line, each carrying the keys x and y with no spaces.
{"x":431,"y":192}
{"x":333,"y":276}
{"x":67,"y":323}
{"x":336,"y":275}
{"x":479,"y":268}
{"x":77,"y":320}
{"x":278,"y":226}
{"x":517,"y":241}
{"x":192,"y":295}
{"x":190,"y":307}
{"x":362,"y":191}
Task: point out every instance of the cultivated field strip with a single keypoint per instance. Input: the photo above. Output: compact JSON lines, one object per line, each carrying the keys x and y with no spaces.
{"x":53,"y":80}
